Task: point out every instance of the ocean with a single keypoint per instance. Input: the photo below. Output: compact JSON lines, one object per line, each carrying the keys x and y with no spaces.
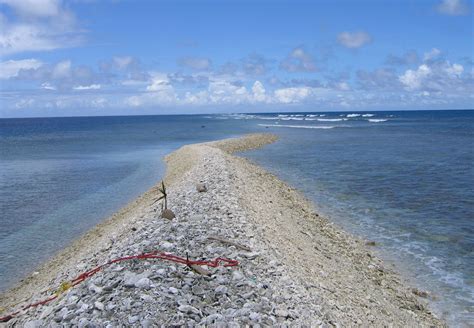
{"x":401,"y":179}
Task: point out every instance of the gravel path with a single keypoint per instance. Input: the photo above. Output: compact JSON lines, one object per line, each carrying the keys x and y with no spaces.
{"x":295,"y":268}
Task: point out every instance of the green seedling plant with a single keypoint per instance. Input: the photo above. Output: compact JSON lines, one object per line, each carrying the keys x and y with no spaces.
{"x":164,"y":195}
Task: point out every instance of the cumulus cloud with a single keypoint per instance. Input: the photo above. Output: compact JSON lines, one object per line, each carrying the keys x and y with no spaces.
{"x":408,"y":58}
{"x":439,"y":77}
{"x":11,"y":68}
{"x":47,"y":86}
{"x":380,"y":78}
{"x":259,"y":92}
{"x":227,"y":92}
{"x":413,"y":79}
{"x":87,"y":87}
{"x":254,"y":64}
{"x":292,"y":95}
{"x":35,"y":8}
{"x":432,"y":54}
{"x":39,"y":25}
{"x":188,"y":79}
{"x":123,"y":62}
{"x":63,"y":75}
{"x":62,"y":70}
{"x":453,"y":7}
{"x":296,"y":82}
{"x":159,"y":92}
{"x":354,"y":39}
{"x":196,"y":63}
{"x":298,"y":60}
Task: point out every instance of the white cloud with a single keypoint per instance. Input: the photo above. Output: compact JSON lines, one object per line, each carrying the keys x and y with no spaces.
{"x":343,"y":86}
{"x":413,"y":79}
{"x":453,"y":7}
{"x":196,"y":98}
{"x":87,"y":87}
{"x":224,"y":91}
{"x":440,"y":77}
{"x":454,"y":70}
{"x":159,"y":92}
{"x":254,"y":64}
{"x":432,"y":54}
{"x":38,"y":8}
{"x":25,"y":37}
{"x":11,"y":68}
{"x":196,"y":63}
{"x":62,"y":70}
{"x":298,"y":61}
{"x":40,"y":25}
{"x":354,"y":39}
{"x":159,"y":82}
{"x":259,"y":92}
{"x":292,"y":95}
{"x":47,"y":86}
{"x":123,"y":62}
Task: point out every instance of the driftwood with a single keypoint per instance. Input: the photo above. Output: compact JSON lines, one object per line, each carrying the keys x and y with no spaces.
{"x":229,"y":242}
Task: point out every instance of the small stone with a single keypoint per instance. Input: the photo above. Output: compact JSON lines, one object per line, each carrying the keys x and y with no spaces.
{"x":221,"y":289}
{"x":188,"y":309}
{"x":95,"y":289}
{"x":166,"y":245}
{"x":254,"y":316}
{"x":33,"y":324}
{"x":168,"y":214}
{"x":143,"y":283}
{"x":133,"y":319}
{"x":237,"y":275}
{"x":371,"y":243}
{"x":83,"y":323}
{"x":281,"y":313}
{"x":198,"y":290}
{"x":147,"y":323}
{"x":69,"y":316}
{"x":213,"y":318}
{"x":420,"y":293}
{"x":201,"y":187}
{"x":111,"y":306}
{"x":173,"y":290}
{"x":146,"y":298}
{"x":130,"y":279}
{"x":99,"y":306}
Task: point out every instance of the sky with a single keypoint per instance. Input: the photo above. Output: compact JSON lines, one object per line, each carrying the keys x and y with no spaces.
{"x":119,"y":57}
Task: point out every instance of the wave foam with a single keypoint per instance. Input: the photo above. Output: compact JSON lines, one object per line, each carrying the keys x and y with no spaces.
{"x":330,"y":119}
{"x":298,"y":126}
{"x":267,"y":118}
{"x":377,"y":120}
{"x":352,"y":115}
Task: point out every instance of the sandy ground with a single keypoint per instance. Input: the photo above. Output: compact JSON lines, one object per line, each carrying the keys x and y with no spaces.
{"x":313,"y":273}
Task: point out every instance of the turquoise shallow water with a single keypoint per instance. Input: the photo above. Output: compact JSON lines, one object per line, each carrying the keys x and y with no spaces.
{"x":403,"y":179}
{"x":61,"y":176}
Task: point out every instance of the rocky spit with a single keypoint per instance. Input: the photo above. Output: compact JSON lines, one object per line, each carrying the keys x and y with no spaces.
{"x":295,"y":268}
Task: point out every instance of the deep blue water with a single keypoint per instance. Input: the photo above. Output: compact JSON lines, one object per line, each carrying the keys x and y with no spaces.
{"x":403,"y":179}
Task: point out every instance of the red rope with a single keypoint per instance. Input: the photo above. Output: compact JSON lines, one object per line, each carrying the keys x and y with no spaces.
{"x":153,"y":255}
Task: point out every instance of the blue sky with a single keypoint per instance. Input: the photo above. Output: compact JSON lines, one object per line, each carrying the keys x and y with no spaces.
{"x":63,"y":58}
